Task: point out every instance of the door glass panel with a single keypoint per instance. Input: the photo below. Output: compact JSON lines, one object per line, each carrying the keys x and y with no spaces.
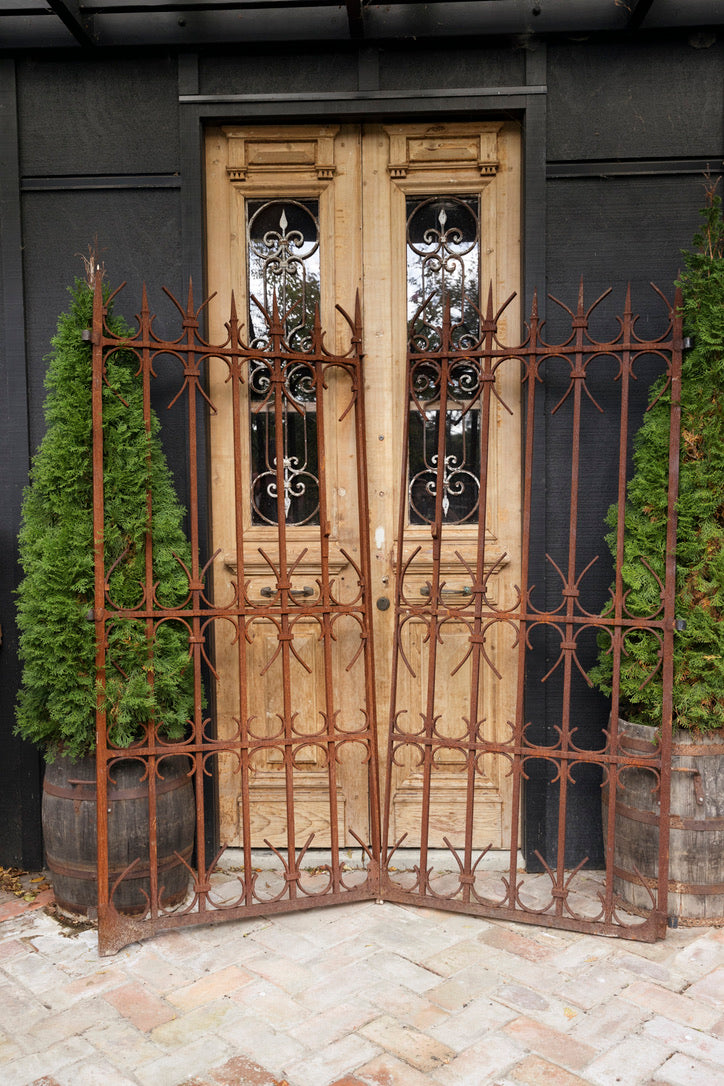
{"x":283,"y":255}
{"x":443,"y":270}
{"x":283,"y":272}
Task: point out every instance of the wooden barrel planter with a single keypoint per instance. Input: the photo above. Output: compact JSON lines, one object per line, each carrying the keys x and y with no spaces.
{"x":696,"y":834}
{"x":69,"y":829}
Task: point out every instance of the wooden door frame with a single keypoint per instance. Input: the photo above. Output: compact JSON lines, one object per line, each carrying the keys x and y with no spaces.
{"x":526,"y":103}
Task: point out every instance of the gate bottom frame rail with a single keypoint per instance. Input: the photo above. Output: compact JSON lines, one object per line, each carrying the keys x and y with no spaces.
{"x":463,"y":892}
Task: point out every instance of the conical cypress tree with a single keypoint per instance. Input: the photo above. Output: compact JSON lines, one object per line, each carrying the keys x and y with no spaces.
{"x":699,"y":647}
{"x":57,"y":701}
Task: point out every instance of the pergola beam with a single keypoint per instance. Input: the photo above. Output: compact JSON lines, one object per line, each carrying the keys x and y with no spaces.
{"x":354,"y":18}
{"x":639,"y":11}
{"x":80,"y":25}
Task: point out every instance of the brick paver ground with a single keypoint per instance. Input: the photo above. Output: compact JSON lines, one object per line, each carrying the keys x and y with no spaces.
{"x":359,"y":995}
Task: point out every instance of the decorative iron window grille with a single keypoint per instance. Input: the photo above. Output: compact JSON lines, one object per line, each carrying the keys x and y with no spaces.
{"x":443,"y":269}
{"x":283,"y":277}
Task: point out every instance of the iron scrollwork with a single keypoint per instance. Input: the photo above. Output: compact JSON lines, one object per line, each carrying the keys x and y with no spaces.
{"x":443,"y":269}
{"x":284,"y":275}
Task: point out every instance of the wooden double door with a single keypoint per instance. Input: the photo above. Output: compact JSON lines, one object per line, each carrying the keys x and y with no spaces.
{"x":401,"y":216}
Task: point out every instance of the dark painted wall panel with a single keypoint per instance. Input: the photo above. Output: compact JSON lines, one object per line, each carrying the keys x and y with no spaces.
{"x":633,"y":99}
{"x":104,"y":116}
{"x":450,"y":67}
{"x":139,"y":236}
{"x":610,"y":232}
{"x":620,"y":230}
{"x":278,"y":72}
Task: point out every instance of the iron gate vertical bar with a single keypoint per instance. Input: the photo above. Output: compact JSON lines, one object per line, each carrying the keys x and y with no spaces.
{"x":191,"y":382}
{"x":400,"y":619}
{"x":363,"y":532}
{"x":529,"y":376}
{"x":486,"y":373}
{"x":239,"y":619}
{"x":152,"y":738}
{"x":568,"y":647}
{"x":98,"y":366}
{"x":670,"y":609}
{"x":330,"y":715}
{"x":612,"y":769}
{"x":285,"y":634}
{"x":434,"y":624}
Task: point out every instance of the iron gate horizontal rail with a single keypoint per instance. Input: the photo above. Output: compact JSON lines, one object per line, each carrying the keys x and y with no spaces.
{"x":463,"y":884}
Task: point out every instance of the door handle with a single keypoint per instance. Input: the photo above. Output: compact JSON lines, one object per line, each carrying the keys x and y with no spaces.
{"x":268,"y":591}
{"x":449,"y":593}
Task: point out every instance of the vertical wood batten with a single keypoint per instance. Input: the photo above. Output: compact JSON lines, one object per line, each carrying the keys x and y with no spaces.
{"x":20,"y":772}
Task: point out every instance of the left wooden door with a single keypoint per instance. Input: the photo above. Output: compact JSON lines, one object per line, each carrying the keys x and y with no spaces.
{"x":275,"y":198}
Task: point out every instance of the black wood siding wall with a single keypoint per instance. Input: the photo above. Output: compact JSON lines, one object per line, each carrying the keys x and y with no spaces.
{"x":617,"y":136}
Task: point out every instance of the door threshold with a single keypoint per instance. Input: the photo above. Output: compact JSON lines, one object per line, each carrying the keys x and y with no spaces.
{"x":354,"y":859}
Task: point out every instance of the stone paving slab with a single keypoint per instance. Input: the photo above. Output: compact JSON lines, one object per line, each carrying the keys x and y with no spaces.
{"x":358,"y":995}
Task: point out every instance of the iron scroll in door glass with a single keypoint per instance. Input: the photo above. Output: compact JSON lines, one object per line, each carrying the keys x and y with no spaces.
{"x":443,"y":272}
{"x":283,"y":277}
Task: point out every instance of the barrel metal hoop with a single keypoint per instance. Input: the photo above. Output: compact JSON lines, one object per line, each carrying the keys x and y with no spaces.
{"x":88,"y":871}
{"x":676,"y":822}
{"x":673,"y":887}
{"x":81,"y":793}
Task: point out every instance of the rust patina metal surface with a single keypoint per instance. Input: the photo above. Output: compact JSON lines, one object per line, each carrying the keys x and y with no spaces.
{"x":465,"y":374}
{"x":285,"y":608}
{"x":437,"y":357}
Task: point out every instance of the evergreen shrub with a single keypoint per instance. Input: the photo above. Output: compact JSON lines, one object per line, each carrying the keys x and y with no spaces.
{"x":699,"y":647}
{"x":147,"y":683}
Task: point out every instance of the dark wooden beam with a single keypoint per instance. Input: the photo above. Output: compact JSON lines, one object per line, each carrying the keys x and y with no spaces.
{"x":20,"y":779}
{"x":80,"y":25}
{"x":354,"y":18}
{"x":639,"y":11}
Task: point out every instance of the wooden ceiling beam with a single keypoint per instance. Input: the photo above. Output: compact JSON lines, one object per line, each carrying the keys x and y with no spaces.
{"x":80,"y":25}
{"x":354,"y":18}
{"x":639,"y":11}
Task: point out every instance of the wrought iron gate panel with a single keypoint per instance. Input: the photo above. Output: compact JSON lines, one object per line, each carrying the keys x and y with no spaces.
{"x":283,"y":607}
{"x":435,"y":356}
{"x":465,"y":371}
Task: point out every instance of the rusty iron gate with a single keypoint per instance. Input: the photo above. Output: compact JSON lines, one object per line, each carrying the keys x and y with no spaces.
{"x":452,"y":374}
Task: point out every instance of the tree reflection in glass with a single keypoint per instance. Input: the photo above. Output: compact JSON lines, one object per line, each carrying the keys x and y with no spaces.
{"x":283,"y":262}
{"x":443,"y":266}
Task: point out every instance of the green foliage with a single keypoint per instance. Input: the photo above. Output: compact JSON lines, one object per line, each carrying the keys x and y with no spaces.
{"x":699,"y":649}
{"x":147,"y":680}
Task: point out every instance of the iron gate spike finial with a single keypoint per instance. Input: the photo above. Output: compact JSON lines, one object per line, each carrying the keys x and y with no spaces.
{"x":490,"y":315}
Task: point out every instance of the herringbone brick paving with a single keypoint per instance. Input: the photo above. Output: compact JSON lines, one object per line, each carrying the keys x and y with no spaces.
{"x":358,"y":995}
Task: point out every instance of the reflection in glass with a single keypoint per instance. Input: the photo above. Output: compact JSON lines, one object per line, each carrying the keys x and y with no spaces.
{"x":283,"y":255}
{"x":459,"y":478}
{"x":283,"y":270}
{"x":443,"y":268}
{"x":443,"y":259}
